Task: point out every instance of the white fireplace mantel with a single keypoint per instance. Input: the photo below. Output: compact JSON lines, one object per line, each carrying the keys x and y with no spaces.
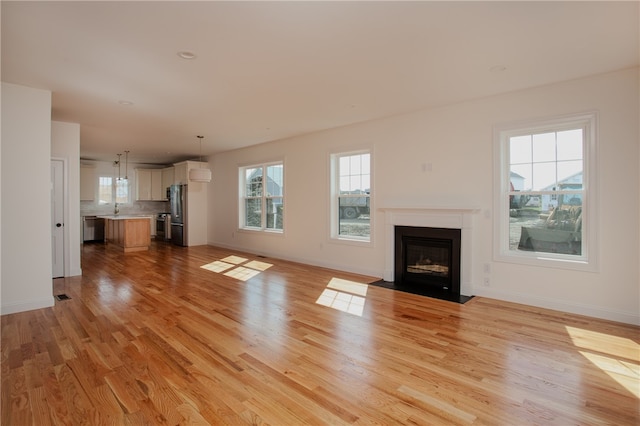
{"x":431,"y":208}
{"x":453,"y":217}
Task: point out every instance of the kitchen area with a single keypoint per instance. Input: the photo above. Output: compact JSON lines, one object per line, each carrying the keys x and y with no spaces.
{"x":129,"y":206}
{"x":94,"y":226}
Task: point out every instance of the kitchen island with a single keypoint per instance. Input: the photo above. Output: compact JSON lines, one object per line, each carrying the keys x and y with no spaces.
{"x":130,"y":233}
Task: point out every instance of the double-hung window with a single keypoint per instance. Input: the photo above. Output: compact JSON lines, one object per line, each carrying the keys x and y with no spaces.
{"x":545,"y":198}
{"x":351,"y":196}
{"x":262,"y":197}
{"x":112,"y":190}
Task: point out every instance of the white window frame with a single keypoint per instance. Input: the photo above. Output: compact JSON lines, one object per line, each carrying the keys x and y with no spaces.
{"x":588,"y":260}
{"x":264,"y":197}
{"x":334,"y":209}
{"x":114,"y":190}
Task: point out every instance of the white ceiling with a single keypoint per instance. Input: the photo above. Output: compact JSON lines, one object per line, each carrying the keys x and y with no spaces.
{"x":271,"y":70}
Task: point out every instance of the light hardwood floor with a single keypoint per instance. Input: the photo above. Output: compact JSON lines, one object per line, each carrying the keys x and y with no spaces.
{"x":154,"y":338}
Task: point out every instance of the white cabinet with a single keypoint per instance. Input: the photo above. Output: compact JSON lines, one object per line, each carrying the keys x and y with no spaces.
{"x":168,"y":179}
{"x":87,"y":183}
{"x":181,"y":173}
{"x":143,"y":183}
{"x":149,"y":185}
{"x":182,"y":170}
{"x":157,"y":193}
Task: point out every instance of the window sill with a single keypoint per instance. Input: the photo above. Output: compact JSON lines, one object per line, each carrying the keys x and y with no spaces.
{"x":261,"y":231}
{"x":351,"y":241}
{"x":547,"y":260}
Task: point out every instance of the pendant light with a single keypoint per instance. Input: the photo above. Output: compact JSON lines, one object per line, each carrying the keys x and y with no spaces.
{"x":118,"y":163}
{"x":200,"y":174}
{"x":126,"y":165}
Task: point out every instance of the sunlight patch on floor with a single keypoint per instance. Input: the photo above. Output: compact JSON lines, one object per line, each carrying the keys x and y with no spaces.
{"x":618,"y":357}
{"x":242,"y":273}
{"x":344,"y":295}
{"x":236,"y":260}
{"x":217,"y":266}
{"x":625,"y":374}
{"x":605,"y":343}
{"x":348,"y":286}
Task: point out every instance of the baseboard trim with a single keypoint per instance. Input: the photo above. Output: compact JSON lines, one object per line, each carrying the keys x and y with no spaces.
{"x":570,"y":307}
{"x":75,"y":272}
{"x":327,"y":265}
{"x":27,"y":305}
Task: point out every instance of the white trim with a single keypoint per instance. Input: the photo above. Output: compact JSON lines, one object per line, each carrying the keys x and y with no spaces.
{"x":242,"y":187}
{"x":347,"y":267}
{"x":261,"y":231}
{"x":334,"y":189}
{"x":559,"y":305}
{"x":66,"y":218}
{"x":27,"y":305}
{"x":588,"y":261}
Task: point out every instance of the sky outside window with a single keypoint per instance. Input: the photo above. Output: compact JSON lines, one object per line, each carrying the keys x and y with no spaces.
{"x":546,"y":158}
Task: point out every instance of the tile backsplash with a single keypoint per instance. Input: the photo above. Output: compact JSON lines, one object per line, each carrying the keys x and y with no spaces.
{"x":88,"y":208}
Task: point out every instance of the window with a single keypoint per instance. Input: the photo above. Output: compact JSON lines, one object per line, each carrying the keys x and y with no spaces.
{"x":105,"y":190}
{"x":262,"y":197}
{"x":110,"y":189}
{"x":545,"y":205}
{"x":351,"y":196}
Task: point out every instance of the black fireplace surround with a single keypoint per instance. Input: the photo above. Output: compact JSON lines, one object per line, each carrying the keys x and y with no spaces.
{"x":428,"y":257}
{"x":427,"y":262}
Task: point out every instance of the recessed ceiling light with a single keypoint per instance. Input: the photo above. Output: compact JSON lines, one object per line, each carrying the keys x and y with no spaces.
{"x":126,"y":103}
{"x":187,"y":55}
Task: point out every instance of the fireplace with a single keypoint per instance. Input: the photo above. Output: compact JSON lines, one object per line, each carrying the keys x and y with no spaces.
{"x":428,"y":260}
{"x":444,"y":219}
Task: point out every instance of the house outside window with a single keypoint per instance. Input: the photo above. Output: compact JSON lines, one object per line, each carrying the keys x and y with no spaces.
{"x":351,"y":196}
{"x":545,"y":203}
{"x":262,"y":197}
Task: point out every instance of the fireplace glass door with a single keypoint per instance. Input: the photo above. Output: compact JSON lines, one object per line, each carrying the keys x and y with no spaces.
{"x":428,"y":261}
{"x":428,"y":258}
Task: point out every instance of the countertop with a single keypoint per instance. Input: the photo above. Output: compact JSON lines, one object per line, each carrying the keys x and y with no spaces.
{"x":125,"y":216}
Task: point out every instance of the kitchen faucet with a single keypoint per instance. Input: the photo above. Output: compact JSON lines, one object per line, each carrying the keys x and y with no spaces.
{"x":116,"y":209}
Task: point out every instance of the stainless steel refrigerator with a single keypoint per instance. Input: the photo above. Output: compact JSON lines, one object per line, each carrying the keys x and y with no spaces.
{"x":178,"y":201}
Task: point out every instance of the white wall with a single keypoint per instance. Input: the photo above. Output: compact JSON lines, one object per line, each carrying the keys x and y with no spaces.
{"x":196,"y":211}
{"x":26,"y":206}
{"x":457,"y":141}
{"x":65,"y":145}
